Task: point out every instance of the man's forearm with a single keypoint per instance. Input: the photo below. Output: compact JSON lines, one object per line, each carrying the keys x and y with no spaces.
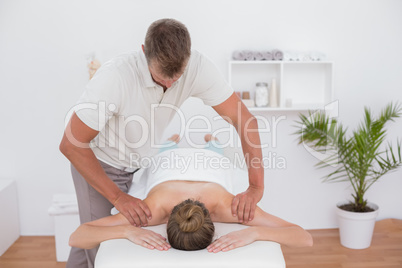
{"x":88,"y":166}
{"x":251,"y":145}
{"x":237,"y":114}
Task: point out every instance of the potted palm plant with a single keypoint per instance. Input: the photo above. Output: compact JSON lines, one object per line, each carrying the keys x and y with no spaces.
{"x":360,"y":159}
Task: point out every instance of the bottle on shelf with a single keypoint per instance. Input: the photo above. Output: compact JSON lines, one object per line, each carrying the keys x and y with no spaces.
{"x":273,"y":95}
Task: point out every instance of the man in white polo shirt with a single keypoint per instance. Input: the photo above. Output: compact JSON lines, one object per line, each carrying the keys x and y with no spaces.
{"x":123,"y":112}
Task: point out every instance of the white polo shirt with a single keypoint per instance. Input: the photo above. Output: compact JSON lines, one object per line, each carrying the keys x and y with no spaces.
{"x":131,"y":111}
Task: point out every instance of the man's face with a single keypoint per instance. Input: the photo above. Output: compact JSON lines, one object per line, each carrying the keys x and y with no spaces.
{"x":162,"y":80}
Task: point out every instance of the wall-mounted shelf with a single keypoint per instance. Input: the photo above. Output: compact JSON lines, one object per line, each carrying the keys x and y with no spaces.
{"x":262,"y":109}
{"x":300,"y":85}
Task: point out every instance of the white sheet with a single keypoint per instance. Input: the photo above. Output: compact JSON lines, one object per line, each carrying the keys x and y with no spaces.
{"x":121,"y":253}
{"x":189,"y":164}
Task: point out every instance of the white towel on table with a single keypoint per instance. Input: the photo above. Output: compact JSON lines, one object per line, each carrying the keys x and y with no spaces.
{"x":233,"y":179}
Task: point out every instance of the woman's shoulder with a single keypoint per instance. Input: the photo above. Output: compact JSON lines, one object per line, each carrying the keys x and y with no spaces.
{"x":168,"y":194}
{"x":159,"y":205}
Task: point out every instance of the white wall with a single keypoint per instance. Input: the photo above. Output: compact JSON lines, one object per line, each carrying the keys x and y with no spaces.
{"x":43,"y":48}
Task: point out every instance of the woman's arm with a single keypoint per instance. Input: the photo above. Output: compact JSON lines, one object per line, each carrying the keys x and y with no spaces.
{"x":264,"y":227}
{"x":275,"y":229}
{"x":293,"y":236}
{"x":91,"y":234}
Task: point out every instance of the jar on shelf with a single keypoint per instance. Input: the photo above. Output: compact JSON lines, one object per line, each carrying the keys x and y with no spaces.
{"x":261,"y":94}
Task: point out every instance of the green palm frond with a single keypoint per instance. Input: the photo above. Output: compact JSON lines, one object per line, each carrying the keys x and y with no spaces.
{"x":359,"y":158}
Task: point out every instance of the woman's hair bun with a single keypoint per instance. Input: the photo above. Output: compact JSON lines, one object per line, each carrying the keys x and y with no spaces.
{"x":190,"y":226}
{"x":190,"y":218}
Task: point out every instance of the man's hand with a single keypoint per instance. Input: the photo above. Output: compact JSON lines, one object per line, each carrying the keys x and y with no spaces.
{"x":146,"y":238}
{"x":134,"y":209}
{"x":234,"y":240}
{"x":244,"y":204}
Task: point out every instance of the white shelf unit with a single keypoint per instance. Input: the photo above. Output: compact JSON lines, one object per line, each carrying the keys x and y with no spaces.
{"x":307,"y":85}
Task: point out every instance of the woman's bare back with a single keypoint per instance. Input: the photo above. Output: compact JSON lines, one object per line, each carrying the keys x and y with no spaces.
{"x":163,"y":197}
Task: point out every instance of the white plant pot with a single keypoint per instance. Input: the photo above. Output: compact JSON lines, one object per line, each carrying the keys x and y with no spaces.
{"x":356,"y":228}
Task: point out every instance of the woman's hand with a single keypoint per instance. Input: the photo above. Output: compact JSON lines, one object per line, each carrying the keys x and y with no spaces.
{"x":234,"y":240}
{"x":146,"y":238}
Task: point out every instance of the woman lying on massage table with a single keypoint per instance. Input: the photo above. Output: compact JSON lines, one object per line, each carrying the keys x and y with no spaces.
{"x":189,"y":208}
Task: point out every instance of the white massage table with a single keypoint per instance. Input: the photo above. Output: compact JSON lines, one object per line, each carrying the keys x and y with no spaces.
{"x":121,"y":253}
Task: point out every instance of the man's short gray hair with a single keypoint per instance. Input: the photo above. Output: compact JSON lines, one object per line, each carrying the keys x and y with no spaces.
{"x":168,"y":44}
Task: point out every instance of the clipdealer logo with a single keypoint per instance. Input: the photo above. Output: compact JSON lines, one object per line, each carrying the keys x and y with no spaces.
{"x":114,"y":130}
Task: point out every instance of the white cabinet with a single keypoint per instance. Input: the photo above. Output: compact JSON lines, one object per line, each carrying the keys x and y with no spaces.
{"x":300,"y":85}
{"x":10,"y":222}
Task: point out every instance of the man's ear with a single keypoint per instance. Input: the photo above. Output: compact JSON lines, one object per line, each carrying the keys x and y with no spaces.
{"x":142,"y":46}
